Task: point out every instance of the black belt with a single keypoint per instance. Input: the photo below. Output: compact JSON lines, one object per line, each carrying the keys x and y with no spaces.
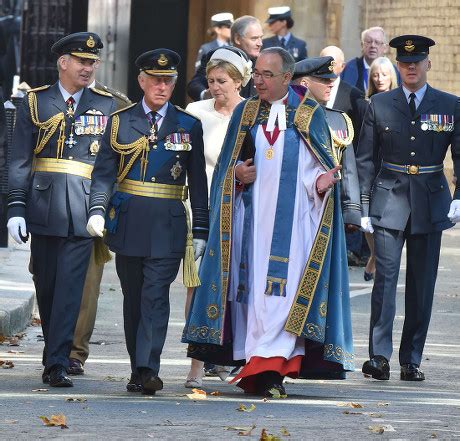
{"x":412,"y":169}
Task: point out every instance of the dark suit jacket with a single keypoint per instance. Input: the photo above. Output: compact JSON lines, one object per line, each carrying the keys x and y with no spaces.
{"x":148,"y":226}
{"x":391,"y":134}
{"x":199,"y":83}
{"x":295,"y":46}
{"x":53,"y":203}
{"x":353,"y":73}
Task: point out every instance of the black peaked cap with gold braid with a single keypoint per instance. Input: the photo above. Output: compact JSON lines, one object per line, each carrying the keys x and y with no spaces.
{"x":159,"y":62}
{"x":411,"y":48}
{"x":81,"y":44}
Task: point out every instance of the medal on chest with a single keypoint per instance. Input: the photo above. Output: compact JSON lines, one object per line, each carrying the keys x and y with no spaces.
{"x":271,"y":138}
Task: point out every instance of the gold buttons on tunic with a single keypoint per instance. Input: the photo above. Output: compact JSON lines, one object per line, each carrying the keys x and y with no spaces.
{"x":412,"y":153}
{"x":413,"y":123}
{"x":386,"y":129}
{"x":70,"y":157}
{"x":412,"y":138}
{"x":152,"y":178}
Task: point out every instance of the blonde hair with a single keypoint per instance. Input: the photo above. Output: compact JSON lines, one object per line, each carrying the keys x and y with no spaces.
{"x":230,"y":68}
{"x":378,"y":62}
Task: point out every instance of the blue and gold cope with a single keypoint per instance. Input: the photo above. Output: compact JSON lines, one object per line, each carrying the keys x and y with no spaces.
{"x":52,"y":160}
{"x":321,"y":310}
{"x":146,"y":215}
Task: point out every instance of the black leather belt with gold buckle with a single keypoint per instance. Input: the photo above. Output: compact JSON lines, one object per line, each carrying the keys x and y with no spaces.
{"x":412,"y":169}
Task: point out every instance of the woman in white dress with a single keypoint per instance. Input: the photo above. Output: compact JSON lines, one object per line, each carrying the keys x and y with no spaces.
{"x":227,"y":71}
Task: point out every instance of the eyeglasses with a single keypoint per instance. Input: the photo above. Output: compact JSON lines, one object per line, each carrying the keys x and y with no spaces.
{"x":375,"y":42}
{"x":267,"y":75}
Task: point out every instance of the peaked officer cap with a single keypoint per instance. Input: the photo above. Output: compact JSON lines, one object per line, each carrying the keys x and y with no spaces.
{"x":80,"y":44}
{"x":321,"y":67}
{"x":411,"y":48}
{"x":159,"y":62}
{"x":222,"y":19}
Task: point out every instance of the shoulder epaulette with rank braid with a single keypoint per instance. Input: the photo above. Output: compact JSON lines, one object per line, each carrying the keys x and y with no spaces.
{"x":122,"y":110}
{"x":38,"y":89}
{"x":101,"y":92}
{"x":180,"y":109}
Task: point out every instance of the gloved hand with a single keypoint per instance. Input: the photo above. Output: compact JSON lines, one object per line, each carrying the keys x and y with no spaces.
{"x":17,"y":228}
{"x":198,"y":247}
{"x":454,"y":212}
{"x":95,"y":225}
{"x":366,"y":225}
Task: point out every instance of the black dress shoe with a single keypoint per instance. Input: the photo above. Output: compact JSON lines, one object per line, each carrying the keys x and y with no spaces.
{"x":75,"y":367}
{"x":275,"y":391}
{"x":411,"y":372}
{"x":368,"y":276}
{"x":150,"y":382}
{"x":377,"y":367}
{"x":134,"y":383}
{"x":58,"y":377}
{"x":45,"y":376}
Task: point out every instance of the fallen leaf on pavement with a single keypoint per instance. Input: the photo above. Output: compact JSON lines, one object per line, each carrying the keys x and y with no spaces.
{"x":349,"y":412}
{"x":284,"y":431}
{"x":198,"y":394}
{"x":382,"y":428}
{"x":433,"y":435}
{"x":373,"y":414}
{"x":350,"y":404}
{"x":39,"y":390}
{"x":265,"y":436}
{"x":14,"y":341}
{"x":2,"y":339}
{"x":383,"y":404}
{"x":242,"y":431}
{"x":36,"y":322}
{"x":243,"y":408}
{"x":6,"y":364}
{"x":72,"y":400}
{"x":216,"y":393}
{"x":55,"y":420}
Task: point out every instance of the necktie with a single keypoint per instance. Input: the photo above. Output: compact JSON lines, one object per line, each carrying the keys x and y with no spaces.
{"x":283,"y":42}
{"x":412,"y":103}
{"x":366,"y":78}
{"x":153,"y":118}
{"x":70,"y":109}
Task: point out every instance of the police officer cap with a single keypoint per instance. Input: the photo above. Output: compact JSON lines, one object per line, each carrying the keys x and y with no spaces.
{"x":321,"y":67}
{"x":80,"y":44}
{"x":222,"y":19}
{"x":411,"y":48}
{"x":159,"y":62}
{"x":278,"y":13}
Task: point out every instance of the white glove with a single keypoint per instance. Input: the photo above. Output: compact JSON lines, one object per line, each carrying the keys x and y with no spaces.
{"x":198,"y":247}
{"x":366,"y":225}
{"x":16,"y":226}
{"x":95,"y":225}
{"x":454,"y":212}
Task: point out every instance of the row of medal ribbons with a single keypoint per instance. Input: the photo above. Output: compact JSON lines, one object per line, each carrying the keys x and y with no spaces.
{"x":178,"y":142}
{"x":437,"y":123}
{"x":90,"y":124}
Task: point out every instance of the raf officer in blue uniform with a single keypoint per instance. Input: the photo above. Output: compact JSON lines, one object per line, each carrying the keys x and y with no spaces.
{"x":56,"y":139}
{"x":220,"y":28}
{"x":406,"y":199}
{"x":280,"y":23}
{"x":151,"y":149}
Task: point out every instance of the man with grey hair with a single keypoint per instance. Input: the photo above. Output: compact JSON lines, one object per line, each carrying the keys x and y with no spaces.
{"x":151,"y":149}
{"x":246,"y":34}
{"x":275,"y":191}
{"x":57,"y":136}
{"x":373,"y":45}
